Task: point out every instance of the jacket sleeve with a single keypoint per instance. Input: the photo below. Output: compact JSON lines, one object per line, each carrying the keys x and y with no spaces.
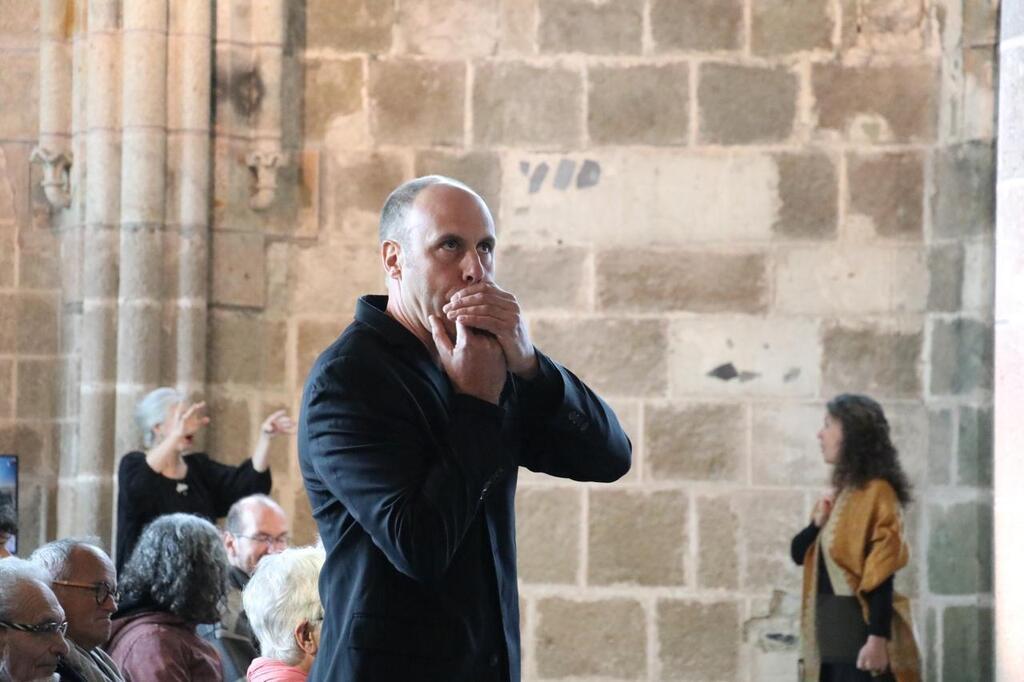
{"x":416,"y":499}
{"x":569,"y":431}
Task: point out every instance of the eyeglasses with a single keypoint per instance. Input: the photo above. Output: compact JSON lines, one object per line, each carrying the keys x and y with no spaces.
{"x":281,"y":540}
{"x":44,"y":629}
{"x":100,"y":590}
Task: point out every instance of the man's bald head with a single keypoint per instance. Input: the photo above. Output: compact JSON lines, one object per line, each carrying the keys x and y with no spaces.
{"x":393,"y":217}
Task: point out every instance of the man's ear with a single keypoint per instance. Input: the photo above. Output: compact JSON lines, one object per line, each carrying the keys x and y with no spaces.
{"x":229,"y":543}
{"x":391,"y":255}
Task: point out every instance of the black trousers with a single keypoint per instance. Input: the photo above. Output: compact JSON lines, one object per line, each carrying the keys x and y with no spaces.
{"x":845,"y":672}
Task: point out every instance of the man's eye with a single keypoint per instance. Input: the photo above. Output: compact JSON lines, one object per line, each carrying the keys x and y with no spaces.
{"x":450,"y":244}
{"x":487,"y":248}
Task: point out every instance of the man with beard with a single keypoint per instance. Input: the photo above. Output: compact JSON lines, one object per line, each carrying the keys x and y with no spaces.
{"x":32,"y":624}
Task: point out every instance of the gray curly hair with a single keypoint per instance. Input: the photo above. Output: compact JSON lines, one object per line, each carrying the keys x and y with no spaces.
{"x":178,"y":566}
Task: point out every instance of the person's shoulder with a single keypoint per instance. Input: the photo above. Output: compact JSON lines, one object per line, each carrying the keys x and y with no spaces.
{"x":881,"y":490}
{"x":351,"y":356}
{"x":133,"y":462}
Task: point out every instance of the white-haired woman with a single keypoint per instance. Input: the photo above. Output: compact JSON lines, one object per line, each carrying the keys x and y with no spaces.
{"x":282,"y":603}
{"x":169,"y":478}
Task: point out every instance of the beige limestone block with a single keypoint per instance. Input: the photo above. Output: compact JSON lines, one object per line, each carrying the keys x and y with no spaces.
{"x":979,"y":276}
{"x":333,"y":88}
{"x":8,"y":255}
{"x":304,"y":530}
{"x":769,"y":111}
{"x":880,"y":361}
{"x":37,"y":389}
{"x":979,"y":92}
{"x":237,"y":269}
{"x":782,"y":26}
{"x":888,"y":189}
{"x":608,"y":27}
{"x":670,"y":198}
{"x":518,"y":26}
{"x":698,"y":640}
{"x":910,"y":432}
{"x":35,"y":322}
{"x":39,"y":264}
{"x":604,"y":362}
{"x":19,"y":116}
{"x":236,"y":347}
{"x":551,"y":277}
{"x":326,"y":279}
{"x":697,"y":25}
{"x":646,"y":104}
{"x":808,"y":194}
{"x":229,"y":434}
{"x":481,"y":170}
{"x":742,"y":355}
{"x":35,"y":443}
{"x":143,"y":176}
{"x":522,"y":104}
{"x":637,"y":538}
{"x":350,"y":25}
{"x":717,"y":543}
{"x":858,"y":279}
{"x":448,"y":28}
{"x":548,"y":533}
{"x":768,"y":522}
{"x":603,"y":639}
{"x":145,"y":78}
{"x":698,"y":441}
{"x":784,"y":444}
{"x":6,"y":388}
{"x":314,"y":336}
{"x":20,"y":24}
{"x":359,"y":181}
{"x":417,"y":102}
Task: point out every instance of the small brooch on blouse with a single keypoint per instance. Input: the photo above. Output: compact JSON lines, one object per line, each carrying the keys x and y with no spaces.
{"x":181,"y":488}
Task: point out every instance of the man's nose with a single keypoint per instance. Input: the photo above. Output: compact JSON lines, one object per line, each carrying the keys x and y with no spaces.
{"x":60,"y":646}
{"x":472,"y":268}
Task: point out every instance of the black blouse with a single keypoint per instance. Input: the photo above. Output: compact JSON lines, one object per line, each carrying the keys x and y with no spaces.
{"x":208,"y":490}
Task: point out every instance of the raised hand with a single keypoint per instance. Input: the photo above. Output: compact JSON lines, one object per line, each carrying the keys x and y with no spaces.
{"x":187,"y":421}
{"x":488,"y":307}
{"x":823,"y":509}
{"x":277,"y":423}
{"x":475,"y":362}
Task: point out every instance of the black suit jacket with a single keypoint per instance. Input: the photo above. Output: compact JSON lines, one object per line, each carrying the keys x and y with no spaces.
{"x":412,"y":487}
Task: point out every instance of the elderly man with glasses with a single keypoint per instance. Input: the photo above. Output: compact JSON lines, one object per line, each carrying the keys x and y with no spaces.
{"x":256,"y":526}
{"x":32,"y":625}
{"x":83,"y":579}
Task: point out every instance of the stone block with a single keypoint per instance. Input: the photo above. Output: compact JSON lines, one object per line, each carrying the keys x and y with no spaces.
{"x":968,"y":644}
{"x":236,"y":348}
{"x":332,"y":88}
{"x":962,"y":356}
{"x":237,"y":269}
{"x":705,"y":442}
{"x":518,"y":25}
{"x":19,"y":116}
{"x":479,"y":170}
{"x":6,"y":388}
{"x":960,"y":548}
{"x":978,"y":292}
{"x":314,"y":336}
{"x":909,"y":426}
{"x":838,"y":279}
{"x":550,"y":117}
{"x":548,"y":534}
{"x":28,"y":322}
{"x":675,"y":198}
{"x":359,"y":181}
{"x":37,"y":389}
{"x":417,"y":102}
{"x":8,"y":255}
{"x":877,"y":104}
{"x":545,"y":277}
{"x":229,"y":437}
{"x":449,"y":28}
{"x":879,"y":362}
{"x":637,"y":538}
{"x":644,"y":104}
{"x":350,"y":25}
{"x":884,"y":27}
{"x":946,"y":277}
{"x":974,"y":451}
{"x":978,"y":119}
{"x":940,"y":446}
{"x":611,"y":27}
{"x":275,"y":346}
{"x":19,"y":24}
{"x":785,"y":449}
{"x":963,"y":195}
{"x":603,"y":638}
{"x":657,"y":281}
{"x":782,"y":27}
{"x":809,"y":194}
{"x":20,"y":202}
{"x":699,"y":640}
{"x":769,"y":110}
{"x":327,"y":279}
{"x":718,"y":544}
{"x":888,"y":190}
{"x":35,"y":444}
{"x":601,"y":361}
{"x":304,"y":529}
{"x":745,"y":355}
{"x":768,"y":521}
{"x":697,"y":25}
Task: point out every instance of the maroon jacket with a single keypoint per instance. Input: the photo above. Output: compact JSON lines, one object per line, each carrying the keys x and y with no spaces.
{"x":153,"y":646}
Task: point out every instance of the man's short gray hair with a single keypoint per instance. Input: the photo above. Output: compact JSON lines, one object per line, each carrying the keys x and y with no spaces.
{"x":398,"y":203}
{"x":152,"y":410}
{"x":14,"y":571}
{"x":282,"y":594}
{"x":235,"y":523}
{"x":54,"y":557}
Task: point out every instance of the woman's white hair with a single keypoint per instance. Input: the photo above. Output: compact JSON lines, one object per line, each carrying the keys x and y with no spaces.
{"x":152,"y":410}
{"x":282,"y":594}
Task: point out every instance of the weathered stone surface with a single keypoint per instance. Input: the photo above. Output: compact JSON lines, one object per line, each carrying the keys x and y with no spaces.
{"x":232,"y":425}
{"x":962,"y":355}
{"x":19,"y":24}
{"x":313,"y":338}
{"x":548,"y":534}
{"x":20,"y":200}
{"x":8,"y":255}
{"x":877,"y":104}
{"x":769,"y":96}
{"x":327,"y":280}
{"x":783,"y":26}
{"x":697,"y":282}
{"x":909,"y":431}
{"x":768,"y":521}
{"x":28,"y":322}
{"x":518,"y":25}
{"x":940,"y":446}
{"x":963,"y":198}
{"x":960,"y":548}
{"x":745,"y":355}
{"x":235,"y":347}
{"x":809,"y":193}
{"x":637,"y":537}
{"x":416,"y":102}
{"x":978,"y":292}
{"x":479,"y":170}
{"x":449,"y":28}
{"x":34,"y":442}
{"x":19,"y":116}
{"x":718,"y":563}
{"x":549,"y":117}
{"x":675,"y":198}
{"x":333,"y":88}
{"x":37,"y":389}
{"x":838,"y":279}
{"x":968,"y":644}
{"x":639,"y":104}
{"x":880,"y":27}
{"x":601,"y":362}
{"x":888,"y":189}
{"x":879,"y":362}
{"x":601,"y":638}
{"x":359,"y":181}
{"x":699,"y":640}
{"x":545,"y":277}
{"x":237,"y":269}
{"x":695,"y":442}
{"x":703,"y":25}
{"x":784,"y":445}
{"x":974,"y":456}
{"x":6,"y":387}
{"x":946,"y":277}
{"x":612,"y":27}
{"x":350,"y":25}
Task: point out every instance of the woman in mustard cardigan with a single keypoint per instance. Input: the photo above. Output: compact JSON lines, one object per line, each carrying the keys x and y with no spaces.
{"x":854,"y":626}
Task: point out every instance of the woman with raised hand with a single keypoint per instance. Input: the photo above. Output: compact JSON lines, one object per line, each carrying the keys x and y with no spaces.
{"x":855,"y":627}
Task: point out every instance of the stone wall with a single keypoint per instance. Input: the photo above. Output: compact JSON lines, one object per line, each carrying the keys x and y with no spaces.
{"x":719,"y":214}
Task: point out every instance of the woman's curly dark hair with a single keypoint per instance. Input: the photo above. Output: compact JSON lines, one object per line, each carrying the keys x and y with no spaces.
{"x":179,"y":566}
{"x":867,"y":452}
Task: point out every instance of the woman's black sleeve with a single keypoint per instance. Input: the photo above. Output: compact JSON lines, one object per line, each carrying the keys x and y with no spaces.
{"x":801,"y":542}
{"x":880,"y":609}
